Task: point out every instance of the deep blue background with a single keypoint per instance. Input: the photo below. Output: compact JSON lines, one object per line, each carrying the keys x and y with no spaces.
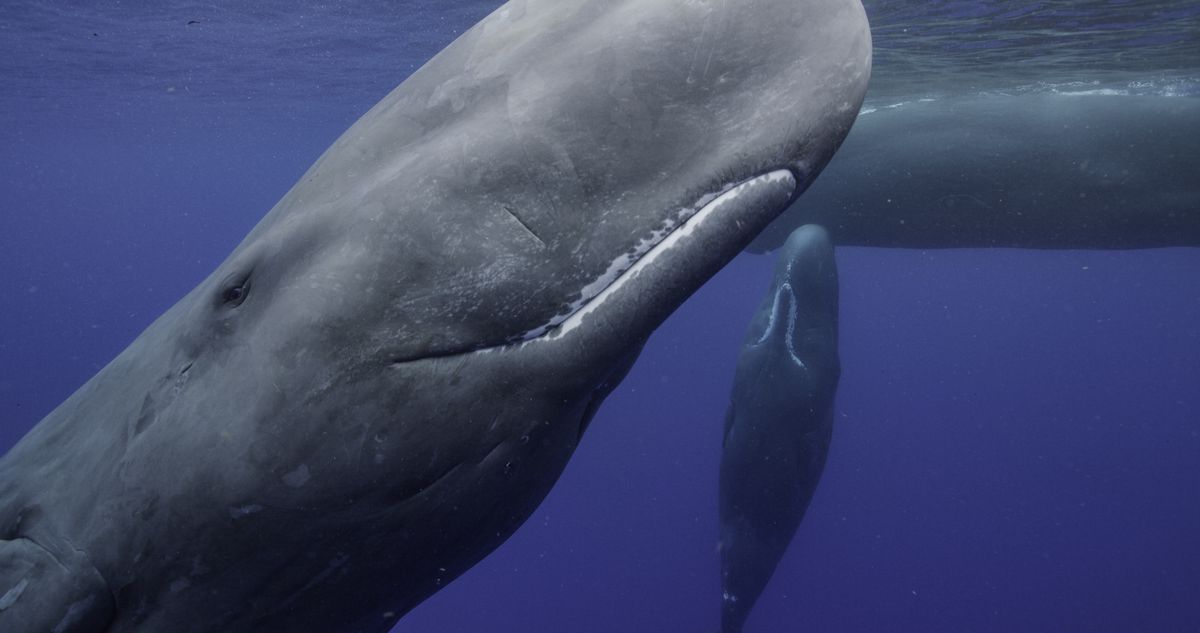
{"x":1017,"y":445}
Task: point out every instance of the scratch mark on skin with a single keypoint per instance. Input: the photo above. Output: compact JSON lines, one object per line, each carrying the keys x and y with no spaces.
{"x":525,"y":226}
{"x":712,"y":49}
{"x":713,"y":40}
{"x":12,"y":595}
{"x":74,"y":615}
{"x":691,"y":78}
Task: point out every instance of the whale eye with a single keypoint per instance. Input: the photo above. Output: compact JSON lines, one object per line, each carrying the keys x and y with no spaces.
{"x":234,"y":294}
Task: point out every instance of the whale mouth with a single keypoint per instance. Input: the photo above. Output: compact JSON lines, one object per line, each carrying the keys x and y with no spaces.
{"x":648,"y":251}
{"x":670,"y":236}
{"x":782,"y":320}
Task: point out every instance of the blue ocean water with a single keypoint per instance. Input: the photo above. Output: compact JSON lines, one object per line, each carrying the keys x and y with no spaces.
{"x":1017,"y":443}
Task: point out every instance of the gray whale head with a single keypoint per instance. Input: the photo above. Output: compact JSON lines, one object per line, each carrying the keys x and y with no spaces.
{"x":388,"y":374}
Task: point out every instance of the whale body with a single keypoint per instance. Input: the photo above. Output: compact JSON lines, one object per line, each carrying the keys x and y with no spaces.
{"x":389,"y":373}
{"x":1030,"y":171}
{"x":780,"y":420}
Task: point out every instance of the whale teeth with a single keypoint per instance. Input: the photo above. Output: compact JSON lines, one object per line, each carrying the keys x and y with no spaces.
{"x":647,"y":251}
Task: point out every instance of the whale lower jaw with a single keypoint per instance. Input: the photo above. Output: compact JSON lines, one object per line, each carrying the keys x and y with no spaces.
{"x":711,"y":208}
{"x":725,"y":220}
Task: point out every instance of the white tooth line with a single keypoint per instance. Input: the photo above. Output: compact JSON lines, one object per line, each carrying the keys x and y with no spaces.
{"x":775,"y":304}
{"x":628,"y":265}
{"x":789,"y":338}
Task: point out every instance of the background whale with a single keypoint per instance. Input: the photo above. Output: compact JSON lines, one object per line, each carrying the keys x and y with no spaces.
{"x":1029,"y":171}
{"x":388,"y":374}
{"x":780,"y":419}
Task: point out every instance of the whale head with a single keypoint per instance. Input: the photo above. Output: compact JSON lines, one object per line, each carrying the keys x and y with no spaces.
{"x":795,"y":329}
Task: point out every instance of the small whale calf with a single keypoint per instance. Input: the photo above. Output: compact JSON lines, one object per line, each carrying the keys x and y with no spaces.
{"x":780,"y":420}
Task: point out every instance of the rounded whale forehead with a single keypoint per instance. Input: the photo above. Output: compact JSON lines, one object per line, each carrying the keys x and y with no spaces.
{"x":559,"y":138}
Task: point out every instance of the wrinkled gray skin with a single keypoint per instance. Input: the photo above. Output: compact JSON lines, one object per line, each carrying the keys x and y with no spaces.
{"x":780,"y":420}
{"x":343,"y":417}
{"x":1048,"y":171}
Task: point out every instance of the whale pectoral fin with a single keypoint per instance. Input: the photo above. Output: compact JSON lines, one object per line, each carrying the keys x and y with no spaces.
{"x":41,"y":594}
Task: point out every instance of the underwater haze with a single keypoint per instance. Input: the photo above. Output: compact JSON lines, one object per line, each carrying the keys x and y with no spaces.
{"x":1017,"y":432}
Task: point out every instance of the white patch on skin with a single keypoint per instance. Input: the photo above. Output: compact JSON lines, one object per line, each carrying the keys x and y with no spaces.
{"x":646,"y":252}
{"x":771,"y":315}
{"x":11,"y":596}
{"x":246,"y":510}
{"x":789,"y":337}
{"x":298,"y":477}
{"x":729,"y":597}
{"x":1103,"y":92}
